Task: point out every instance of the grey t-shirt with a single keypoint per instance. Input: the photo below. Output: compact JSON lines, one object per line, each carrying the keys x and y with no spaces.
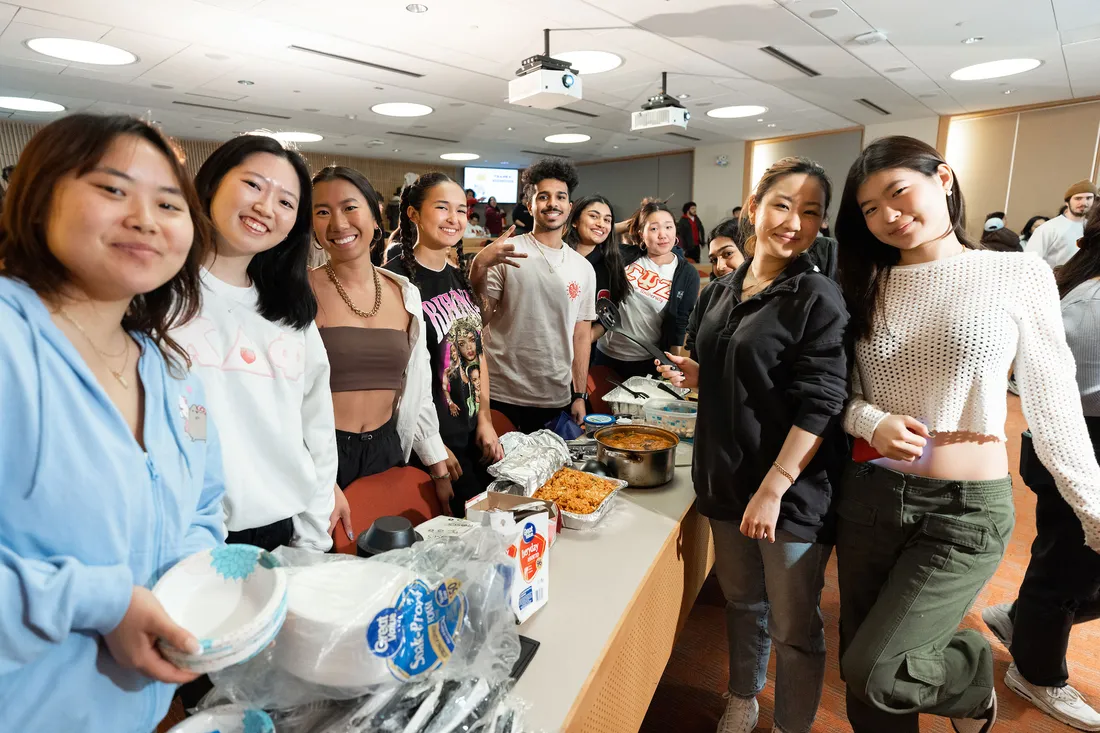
{"x":1081,"y":316}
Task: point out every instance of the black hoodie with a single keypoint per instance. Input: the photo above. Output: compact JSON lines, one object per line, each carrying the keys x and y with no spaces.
{"x":766,"y":364}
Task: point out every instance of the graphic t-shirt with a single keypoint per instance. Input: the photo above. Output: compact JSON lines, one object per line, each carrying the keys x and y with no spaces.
{"x":452,"y":325}
{"x":641,"y":311}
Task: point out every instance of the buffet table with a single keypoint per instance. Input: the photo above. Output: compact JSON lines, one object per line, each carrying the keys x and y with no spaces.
{"x":619,"y":596}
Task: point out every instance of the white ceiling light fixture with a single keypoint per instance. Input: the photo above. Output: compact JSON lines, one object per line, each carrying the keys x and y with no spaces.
{"x":738,"y":110}
{"x":26,"y":104}
{"x":297,"y":137}
{"x":416,"y":8}
{"x":81,"y":52}
{"x":973,"y":39}
{"x":401,"y":109}
{"x":591,"y":62}
{"x":995,"y":69}
{"x":568,"y":138}
{"x":460,"y":156}
{"x":245,"y":82}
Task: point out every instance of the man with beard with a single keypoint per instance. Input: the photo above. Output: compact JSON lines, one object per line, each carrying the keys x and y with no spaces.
{"x":538,"y":301}
{"x":1056,"y":241}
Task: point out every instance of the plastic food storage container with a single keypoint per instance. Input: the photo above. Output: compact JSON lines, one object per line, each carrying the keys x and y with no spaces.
{"x":675,"y":416}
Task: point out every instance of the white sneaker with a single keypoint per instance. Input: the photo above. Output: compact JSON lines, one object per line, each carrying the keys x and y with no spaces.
{"x":741,"y":715}
{"x":998,"y":620}
{"x":1064,"y":704}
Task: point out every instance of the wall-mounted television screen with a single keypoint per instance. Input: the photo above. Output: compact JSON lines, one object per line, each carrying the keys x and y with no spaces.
{"x":500,"y":183}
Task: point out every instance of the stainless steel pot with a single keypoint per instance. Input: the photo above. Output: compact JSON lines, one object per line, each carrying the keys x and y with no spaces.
{"x":641,"y":468}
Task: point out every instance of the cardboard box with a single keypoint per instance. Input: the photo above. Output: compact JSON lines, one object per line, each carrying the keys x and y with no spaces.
{"x":444,"y":526}
{"x":551,"y":508}
{"x":526,"y":522}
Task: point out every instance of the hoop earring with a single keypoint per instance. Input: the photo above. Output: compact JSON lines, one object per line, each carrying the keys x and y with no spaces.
{"x":317,"y":246}
{"x":378,"y":237}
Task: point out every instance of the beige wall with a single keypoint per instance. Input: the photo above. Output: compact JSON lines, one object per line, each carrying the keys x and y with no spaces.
{"x":384,"y":175}
{"x":717,"y":189}
{"x":834,"y":151}
{"x":925,"y":129}
{"x":1023,"y":162}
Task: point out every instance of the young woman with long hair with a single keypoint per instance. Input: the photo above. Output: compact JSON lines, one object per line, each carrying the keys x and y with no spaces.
{"x":433,"y":216}
{"x":111,"y":470}
{"x":257,"y":350}
{"x":590,"y":230}
{"x":925,"y":519}
{"x":768,"y":445}
{"x":494,"y":218}
{"x":1062,"y":584}
{"x":380,"y":368}
{"x":664,"y":288}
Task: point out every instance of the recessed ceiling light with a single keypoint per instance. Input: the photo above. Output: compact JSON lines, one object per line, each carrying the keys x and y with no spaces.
{"x":397,"y":150}
{"x":567,"y":138}
{"x":591,"y":62}
{"x":460,"y":156}
{"x":245,"y":82}
{"x":83,"y":52}
{"x":616,"y":147}
{"x":995,"y":69}
{"x":296,"y":137}
{"x":510,"y":129}
{"x":26,"y":104}
{"x":823,"y":13}
{"x":401,"y":109}
{"x":1009,"y":91}
{"x":771,"y":124}
{"x":759,"y":119}
{"x":683,"y":96}
{"x":740,"y":110}
{"x":973,"y":39}
{"x":416,"y":8}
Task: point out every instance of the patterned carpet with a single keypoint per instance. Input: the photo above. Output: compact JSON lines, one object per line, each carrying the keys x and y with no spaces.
{"x":689,"y":697}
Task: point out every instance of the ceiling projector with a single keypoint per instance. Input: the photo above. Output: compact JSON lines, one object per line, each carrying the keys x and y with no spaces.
{"x":544,"y":82}
{"x":661,"y":110}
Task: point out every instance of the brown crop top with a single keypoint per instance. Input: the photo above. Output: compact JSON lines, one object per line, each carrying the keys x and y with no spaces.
{"x":363,"y":359}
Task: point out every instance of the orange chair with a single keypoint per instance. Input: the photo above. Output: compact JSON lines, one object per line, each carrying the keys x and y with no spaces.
{"x":501,"y":423}
{"x":598,"y":386}
{"x":403,"y":491}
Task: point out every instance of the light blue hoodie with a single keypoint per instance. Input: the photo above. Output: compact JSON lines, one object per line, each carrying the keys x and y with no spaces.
{"x":86,"y":514}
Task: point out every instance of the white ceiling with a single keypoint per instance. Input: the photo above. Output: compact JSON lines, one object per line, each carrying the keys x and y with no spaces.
{"x":194,"y":52}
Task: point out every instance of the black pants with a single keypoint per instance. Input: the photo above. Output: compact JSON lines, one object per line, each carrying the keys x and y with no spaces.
{"x":1062,"y":584}
{"x":475,"y":477}
{"x":528,"y":419}
{"x":365,"y":454}
{"x":625,"y":369}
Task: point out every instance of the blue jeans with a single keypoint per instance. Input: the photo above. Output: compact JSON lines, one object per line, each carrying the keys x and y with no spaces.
{"x":773,"y":595}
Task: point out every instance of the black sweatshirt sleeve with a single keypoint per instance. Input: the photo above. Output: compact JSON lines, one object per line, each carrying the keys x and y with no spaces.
{"x":687,"y":304}
{"x":819,"y":386}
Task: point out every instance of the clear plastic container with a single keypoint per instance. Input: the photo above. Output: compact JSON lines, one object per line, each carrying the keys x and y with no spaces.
{"x":676,"y":416}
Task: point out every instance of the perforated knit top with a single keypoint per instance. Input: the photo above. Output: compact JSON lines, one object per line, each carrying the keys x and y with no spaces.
{"x":940,"y":350}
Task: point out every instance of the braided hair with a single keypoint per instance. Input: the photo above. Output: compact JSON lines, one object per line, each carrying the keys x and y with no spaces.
{"x":413,"y":197}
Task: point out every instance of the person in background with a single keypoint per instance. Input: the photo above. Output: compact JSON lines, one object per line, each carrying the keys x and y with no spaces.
{"x":726,"y":250}
{"x":691,"y":232}
{"x":997,"y":237}
{"x":1062,"y":584}
{"x":112,"y":469}
{"x":393,"y":210}
{"x":381,"y":373}
{"x":522,"y":219}
{"x":538,"y":301}
{"x":591,"y":231}
{"x":432,"y":213}
{"x":473,"y":229}
{"x":926,"y":507}
{"x":736,"y":213}
{"x":494,"y":218}
{"x":664,"y":288}
{"x":5,"y":177}
{"x":1056,"y":241}
{"x":257,"y":350}
{"x":471,"y":200}
{"x":1032,"y":224}
{"x":768,"y":445}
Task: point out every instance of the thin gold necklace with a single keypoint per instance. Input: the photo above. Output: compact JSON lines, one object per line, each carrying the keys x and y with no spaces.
{"x":343,"y":293}
{"x":538,"y":245}
{"x":103,"y":357}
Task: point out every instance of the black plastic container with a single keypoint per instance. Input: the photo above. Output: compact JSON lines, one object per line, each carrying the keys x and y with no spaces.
{"x":387,"y":533}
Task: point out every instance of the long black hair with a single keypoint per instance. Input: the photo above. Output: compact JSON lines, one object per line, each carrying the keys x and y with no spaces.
{"x":864,"y":261}
{"x":611,"y":247}
{"x":374,"y":201}
{"x":413,"y":198}
{"x":1030,"y":227}
{"x":280,"y":274}
{"x":1085,"y":263}
{"x":730,"y":229}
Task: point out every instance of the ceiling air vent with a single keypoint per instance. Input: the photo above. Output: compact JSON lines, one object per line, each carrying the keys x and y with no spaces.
{"x":544,"y":154}
{"x":778,"y":55}
{"x":575,"y":112}
{"x":230,"y":109}
{"x":683,"y":136}
{"x":424,"y":137}
{"x":360,"y":62}
{"x":871,"y":105}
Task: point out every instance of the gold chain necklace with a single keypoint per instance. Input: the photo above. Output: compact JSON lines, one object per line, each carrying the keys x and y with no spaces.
{"x":538,"y":246}
{"x":103,"y":357}
{"x":343,"y":293}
